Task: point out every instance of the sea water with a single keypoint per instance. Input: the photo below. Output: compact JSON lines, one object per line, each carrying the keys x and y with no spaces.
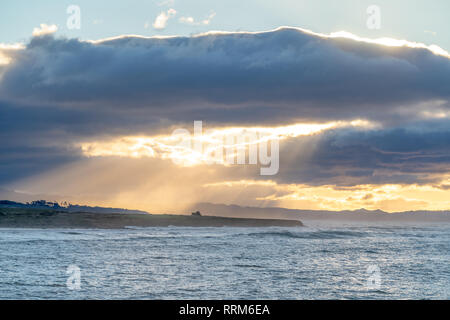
{"x":319,"y":261}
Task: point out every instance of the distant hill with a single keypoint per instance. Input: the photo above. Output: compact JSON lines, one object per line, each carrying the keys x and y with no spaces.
{"x":234,"y":211}
{"x":66,"y":207}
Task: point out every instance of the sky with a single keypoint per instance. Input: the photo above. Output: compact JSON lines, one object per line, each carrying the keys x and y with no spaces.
{"x":416,"y":20}
{"x":348,"y":101}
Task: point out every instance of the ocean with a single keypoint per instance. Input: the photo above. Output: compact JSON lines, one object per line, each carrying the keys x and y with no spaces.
{"x":319,"y":261}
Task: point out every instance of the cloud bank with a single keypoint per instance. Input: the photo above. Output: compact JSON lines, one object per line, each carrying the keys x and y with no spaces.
{"x":281,"y":74}
{"x":56,"y":93}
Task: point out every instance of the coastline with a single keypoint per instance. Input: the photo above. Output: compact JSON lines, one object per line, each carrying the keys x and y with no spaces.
{"x":37,"y":218}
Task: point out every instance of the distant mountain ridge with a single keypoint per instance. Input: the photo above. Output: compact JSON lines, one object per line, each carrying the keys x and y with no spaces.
{"x":65,"y":206}
{"x":235,"y":211}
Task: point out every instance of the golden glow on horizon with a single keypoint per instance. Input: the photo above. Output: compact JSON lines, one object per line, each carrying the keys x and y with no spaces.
{"x":154,"y":186}
{"x":387,"y":197}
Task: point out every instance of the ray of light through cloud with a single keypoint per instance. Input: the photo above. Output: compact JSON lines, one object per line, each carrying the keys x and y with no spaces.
{"x":171,"y":146}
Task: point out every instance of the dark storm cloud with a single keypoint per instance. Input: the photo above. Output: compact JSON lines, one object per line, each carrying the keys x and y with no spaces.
{"x":350,"y":157}
{"x":237,"y":77}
